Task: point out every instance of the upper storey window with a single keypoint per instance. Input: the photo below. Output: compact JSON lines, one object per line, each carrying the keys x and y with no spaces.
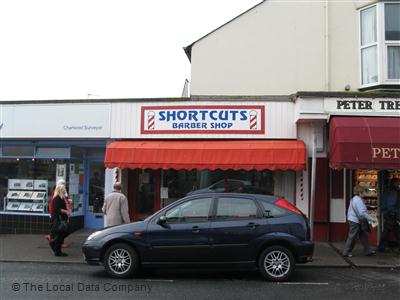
{"x":380,"y":44}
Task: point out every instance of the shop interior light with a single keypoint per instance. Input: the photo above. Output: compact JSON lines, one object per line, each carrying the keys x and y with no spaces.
{"x":17,"y":159}
{"x":33,"y":159}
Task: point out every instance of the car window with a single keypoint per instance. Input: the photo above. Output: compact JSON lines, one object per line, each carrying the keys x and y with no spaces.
{"x":235,"y":185}
{"x":271,"y":210}
{"x":219,"y":185}
{"x":196,"y":210}
{"x":230,"y":208}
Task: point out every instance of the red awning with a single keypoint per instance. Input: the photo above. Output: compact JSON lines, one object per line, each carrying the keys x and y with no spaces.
{"x":200,"y":154}
{"x":364,"y":143}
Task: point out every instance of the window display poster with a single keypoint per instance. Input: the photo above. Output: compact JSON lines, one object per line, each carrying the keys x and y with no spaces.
{"x":61,"y":172}
{"x":72,"y":169}
{"x":14,"y":184}
{"x":26,"y":184}
{"x":40,"y":184}
{"x":73,"y":188}
{"x":164,"y":193}
{"x":145,"y":177}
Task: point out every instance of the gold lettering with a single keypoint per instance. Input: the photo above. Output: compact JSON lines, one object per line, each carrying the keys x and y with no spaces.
{"x":385,"y":152}
{"x":377,"y":151}
{"x":396,"y":152}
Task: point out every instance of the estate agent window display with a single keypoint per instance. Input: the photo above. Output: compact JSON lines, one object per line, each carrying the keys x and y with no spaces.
{"x":26,"y":185}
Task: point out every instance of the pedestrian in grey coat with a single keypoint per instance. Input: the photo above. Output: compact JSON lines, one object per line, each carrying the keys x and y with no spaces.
{"x":116,"y":207}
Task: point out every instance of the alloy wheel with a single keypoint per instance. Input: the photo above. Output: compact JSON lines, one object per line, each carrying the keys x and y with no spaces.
{"x":120,"y":261}
{"x":277,"y":263}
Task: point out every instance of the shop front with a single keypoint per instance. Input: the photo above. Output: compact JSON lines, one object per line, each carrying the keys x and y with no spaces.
{"x":162,"y":171}
{"x":42,"y":143}
{"x":369,"y":148}
{"x":29,"y":173}
{"x":357,"y":143}
{"x":167,"y":150}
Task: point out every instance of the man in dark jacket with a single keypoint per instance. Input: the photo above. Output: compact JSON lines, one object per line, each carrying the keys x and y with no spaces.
{"x":390,"y":209}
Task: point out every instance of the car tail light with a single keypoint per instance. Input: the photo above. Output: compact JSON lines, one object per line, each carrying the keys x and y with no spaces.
{"x":285,"y":204}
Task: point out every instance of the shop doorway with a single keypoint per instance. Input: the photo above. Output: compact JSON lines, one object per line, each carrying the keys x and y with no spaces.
{"x":94,"y":217}
{"x":143,"y":193}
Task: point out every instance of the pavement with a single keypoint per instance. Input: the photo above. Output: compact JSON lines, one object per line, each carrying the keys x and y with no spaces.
{"x":34,"y":248}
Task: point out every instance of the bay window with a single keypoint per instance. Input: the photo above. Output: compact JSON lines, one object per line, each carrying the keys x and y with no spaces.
{"x":380,"y":44}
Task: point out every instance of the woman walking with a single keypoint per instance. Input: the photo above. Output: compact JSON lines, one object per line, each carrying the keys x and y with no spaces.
{"x":59,"y":220}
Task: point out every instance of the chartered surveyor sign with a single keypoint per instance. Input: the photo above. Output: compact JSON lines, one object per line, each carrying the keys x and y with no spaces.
{"x":227,"y":119}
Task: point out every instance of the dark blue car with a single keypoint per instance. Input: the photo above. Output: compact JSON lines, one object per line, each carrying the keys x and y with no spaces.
{"x":211,"y":229}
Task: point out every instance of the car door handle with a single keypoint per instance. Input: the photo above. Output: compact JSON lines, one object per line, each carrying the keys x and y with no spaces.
{"x":252,"y":225}
{"x":195,"y":229}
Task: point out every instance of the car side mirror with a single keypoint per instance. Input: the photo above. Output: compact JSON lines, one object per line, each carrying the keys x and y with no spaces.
{"x":162,"y":220}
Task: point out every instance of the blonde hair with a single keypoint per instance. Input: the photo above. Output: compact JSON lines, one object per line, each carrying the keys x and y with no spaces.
{"x":61,"y":181}
{"x":60,"y":191}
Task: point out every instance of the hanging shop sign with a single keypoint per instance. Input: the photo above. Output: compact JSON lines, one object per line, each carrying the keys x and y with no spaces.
{"x":363,"y":105}
{"x":226,"y":119}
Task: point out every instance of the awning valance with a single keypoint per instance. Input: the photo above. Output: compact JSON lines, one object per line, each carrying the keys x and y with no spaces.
{"x":364,"y":143}
{"x":210,"y":154}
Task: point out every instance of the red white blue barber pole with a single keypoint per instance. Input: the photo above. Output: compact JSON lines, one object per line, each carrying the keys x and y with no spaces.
{"x":151,"y":116}
{"x":253,"y":119}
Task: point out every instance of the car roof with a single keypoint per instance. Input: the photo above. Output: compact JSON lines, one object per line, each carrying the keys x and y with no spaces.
{"x":269,"y":198}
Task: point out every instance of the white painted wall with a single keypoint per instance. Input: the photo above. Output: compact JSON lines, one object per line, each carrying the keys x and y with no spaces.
{"x":279,"y":48}
{"x":343,"y":67}
{"x":305,"y":133}
{"x":276,"y":48}
{"x":284,"y":185}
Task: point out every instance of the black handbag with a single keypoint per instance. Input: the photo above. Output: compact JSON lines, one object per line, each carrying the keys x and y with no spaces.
{"x":62,"y":226}
{"x":365,"y":225}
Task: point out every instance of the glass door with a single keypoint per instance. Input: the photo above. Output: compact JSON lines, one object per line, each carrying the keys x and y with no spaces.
{"x":94,"y":217}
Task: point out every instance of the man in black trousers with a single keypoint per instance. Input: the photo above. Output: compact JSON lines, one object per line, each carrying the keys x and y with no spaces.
{"x":390,"y":209}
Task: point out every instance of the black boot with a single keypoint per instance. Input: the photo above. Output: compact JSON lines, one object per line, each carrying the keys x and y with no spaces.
{"x":52,"y":246}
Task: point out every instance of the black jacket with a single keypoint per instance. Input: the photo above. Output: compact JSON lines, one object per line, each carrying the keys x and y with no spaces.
{"x":58,"y":204}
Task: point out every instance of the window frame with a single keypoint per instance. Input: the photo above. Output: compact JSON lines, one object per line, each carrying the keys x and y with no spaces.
{"x":386,"y":45}
{"x":382,"y":47}
{"x":259,"y":213}
{"x":210,"y":211}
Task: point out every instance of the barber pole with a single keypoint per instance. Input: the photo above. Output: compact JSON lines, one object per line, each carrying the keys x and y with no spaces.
{"x":150,"y":120}
{"x":253,"y":120}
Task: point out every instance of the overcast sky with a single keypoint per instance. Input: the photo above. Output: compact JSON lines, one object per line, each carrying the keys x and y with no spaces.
{"x":78,"y":49}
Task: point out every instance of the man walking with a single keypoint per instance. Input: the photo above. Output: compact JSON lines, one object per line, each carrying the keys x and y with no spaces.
{"x":116,"y":207}
{"x":390,"y":205}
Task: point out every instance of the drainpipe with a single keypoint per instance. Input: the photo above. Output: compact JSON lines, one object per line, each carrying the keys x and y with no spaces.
{"x":326,"y":40}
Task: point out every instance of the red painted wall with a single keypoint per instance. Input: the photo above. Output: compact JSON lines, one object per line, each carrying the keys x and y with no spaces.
{"x":321,"y":213}
{"x":321,"y":208}
{"x":338,"y":231}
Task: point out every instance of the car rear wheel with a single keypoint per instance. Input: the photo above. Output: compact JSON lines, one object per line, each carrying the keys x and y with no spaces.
{"x":276,"y":263}
{"x":121,"y":261}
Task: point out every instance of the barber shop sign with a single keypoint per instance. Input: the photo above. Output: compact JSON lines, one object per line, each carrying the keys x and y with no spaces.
{"x":214,"y":119}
